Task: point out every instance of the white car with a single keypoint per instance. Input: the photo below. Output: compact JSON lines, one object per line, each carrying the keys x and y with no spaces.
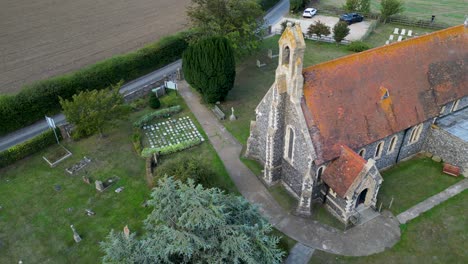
{"x":309,"y":12}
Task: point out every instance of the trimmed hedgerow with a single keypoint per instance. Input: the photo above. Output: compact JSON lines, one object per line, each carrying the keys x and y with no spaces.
{"x":41,"y":98}
{"x":157,"y":114}
{"x":28,"y":147}
{"x":147,"y":152}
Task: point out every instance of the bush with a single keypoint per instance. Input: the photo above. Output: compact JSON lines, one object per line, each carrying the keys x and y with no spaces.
{"x":358,"y":46}
{"x":41,"y":98}
{"x":157,"y":114}
{"x":28,"y":147}
{"x":184,"y":167}
{"x":297,"y":5}
{"x":319,"y":29}
{"x":136,"y":140}
{"x":267,"y":4}
{"x":340,"y":31}
{"x":154,"y":101}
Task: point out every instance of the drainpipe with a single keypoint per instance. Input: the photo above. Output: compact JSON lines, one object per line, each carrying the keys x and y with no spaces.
{"x":401,"y":145}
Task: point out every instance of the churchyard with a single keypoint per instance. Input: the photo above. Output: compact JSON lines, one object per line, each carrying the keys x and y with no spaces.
{"x":39,"y":203}
{"x":407,"y":183}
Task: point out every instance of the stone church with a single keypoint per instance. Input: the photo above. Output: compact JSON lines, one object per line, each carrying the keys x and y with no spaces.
{"x":326,"y":131}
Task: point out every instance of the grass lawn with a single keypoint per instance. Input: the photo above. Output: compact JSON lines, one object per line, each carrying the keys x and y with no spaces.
{"x":450,"y":12}
{"x":436,"y":236}
{"x":252,"y":83}
{"x":35,"y":218}
{"x":383,"y":31}
{"x":411,"y":182}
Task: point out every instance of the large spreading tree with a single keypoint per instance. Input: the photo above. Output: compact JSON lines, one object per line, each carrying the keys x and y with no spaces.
{"x":362,"y":6}
{"x":190,"y":224}
{"x":389,"y":8}
{"x":209,"y":66}
{"x":237,"y":20}
{"x":92,"y":111}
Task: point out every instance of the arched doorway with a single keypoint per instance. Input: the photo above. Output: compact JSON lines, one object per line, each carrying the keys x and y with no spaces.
{"x":361,"y":198}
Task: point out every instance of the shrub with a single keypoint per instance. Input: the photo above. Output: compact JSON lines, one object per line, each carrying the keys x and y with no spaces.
{"x":267,"y":4}
{"x":154,"y":101}
{"x":184,"y":167}
{"x":136,"y":140}
{"x":340,"y":31}
{"x":28,"y":147}
{"x":209,"y":67}
{"x":41,"y":98}
{"x":297,"y":5}
{"x":319,"y":29}
{"x":157,"y":114}
{"x":358,"y":46}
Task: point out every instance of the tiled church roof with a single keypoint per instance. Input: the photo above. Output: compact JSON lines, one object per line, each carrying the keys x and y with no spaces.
{"x":364,"y":97}
{"x":342,"y":172}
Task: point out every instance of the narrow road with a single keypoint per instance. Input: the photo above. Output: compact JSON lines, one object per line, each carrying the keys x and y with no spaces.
{"x":21,"y":135}
{"x":372,"y":237}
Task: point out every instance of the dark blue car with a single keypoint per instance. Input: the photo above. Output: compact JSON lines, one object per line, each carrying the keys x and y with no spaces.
{"x":351,"y":18}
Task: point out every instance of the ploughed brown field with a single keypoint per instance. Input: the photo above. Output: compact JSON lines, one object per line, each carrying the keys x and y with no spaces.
{"x":40,"y":39}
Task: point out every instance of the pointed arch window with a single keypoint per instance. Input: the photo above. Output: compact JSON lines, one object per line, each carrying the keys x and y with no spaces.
{"x":392,"y":145}
{"x":415,"y":133}
{"x":289,"y":146}
{"x":362,"y":152}
{"x":378,"y":150}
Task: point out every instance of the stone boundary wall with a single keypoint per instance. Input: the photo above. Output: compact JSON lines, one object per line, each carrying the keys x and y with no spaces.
{"x":450,"y":148}
{"x":146,"y":89}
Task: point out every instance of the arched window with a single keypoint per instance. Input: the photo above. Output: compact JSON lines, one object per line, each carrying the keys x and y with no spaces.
{"x":392,"y":145}
{"x":320,"y":172}
{"x":442,"y":110}
{"x":289,"y":150}
{"x":455,"y":106}
{"x":378,"y":150}
{"x":362,"y":152}
{"x":286,"y":56}
{"x":415,"y":133}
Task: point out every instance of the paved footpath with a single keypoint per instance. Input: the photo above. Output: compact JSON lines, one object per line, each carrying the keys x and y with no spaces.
{"x":372,"y":237}
{"x":299,"y":254}
{"x":432,"y":201}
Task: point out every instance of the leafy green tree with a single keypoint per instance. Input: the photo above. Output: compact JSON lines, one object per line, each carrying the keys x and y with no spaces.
{"x":389,"y":8}
{"x":154,"y":101}
{"x":297,"y":5}
{"x":92,"y":111}
{"x":340,"y":31}
{"x":237,"y":20}
{"x":362,"y":6}
{"x":318,"y":28}
{"x":190,"y":224}
{"x":209,"y":67}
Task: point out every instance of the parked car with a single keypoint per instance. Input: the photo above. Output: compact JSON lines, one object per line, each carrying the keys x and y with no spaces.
{"x":309,"y":12}
{"x":351,"y":18}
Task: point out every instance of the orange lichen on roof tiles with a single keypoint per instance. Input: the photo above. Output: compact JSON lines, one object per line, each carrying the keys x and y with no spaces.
{"x":344,"y":96}
{"x":342,"y":172}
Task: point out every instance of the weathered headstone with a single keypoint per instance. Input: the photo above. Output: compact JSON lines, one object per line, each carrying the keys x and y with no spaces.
{"x":89,"y":212}
{"x":126,"y":232}
{"x":259,"y":64}
{"x":119,"y":190}
{"x":99,"y":186}
{"x":390,"y":38}
{"x":86,"y":180}
{"x":232,"y":117}
{"x":395,"y":31}
{"x":400,"y":38}
{"x":76,"y":236}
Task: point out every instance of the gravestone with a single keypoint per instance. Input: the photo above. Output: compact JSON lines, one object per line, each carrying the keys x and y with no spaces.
{"x":270,"y":54}
{"x":400,"y":38}
{"x":390,"y":38}
{"x":86,"y":180}
{"x":119,"y":190}
{"x":126,"y":232}
{"x":387,"y":42}
{"x":410,"y":33}
{"x":259,"y":64}
{"x":89,"y":212}
{"x":99,"y":186}
{"x":76,"y":236}
{"x":403,"y":32}
{"x":395,"y":31}
{"x":232,"y":117}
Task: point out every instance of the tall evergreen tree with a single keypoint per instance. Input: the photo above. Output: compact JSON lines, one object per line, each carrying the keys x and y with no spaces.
{"x":209,"y":67}
{"x":190,"y":224}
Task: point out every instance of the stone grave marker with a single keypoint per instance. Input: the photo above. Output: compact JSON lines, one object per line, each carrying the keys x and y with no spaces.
{"x":99,"y":186}
{"x":76,"y":236}
{"x":86,"y":180}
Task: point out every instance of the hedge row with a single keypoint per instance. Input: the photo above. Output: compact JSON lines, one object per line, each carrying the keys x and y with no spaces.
{"x":157,"y":114}
{"x":147,"y":152}
{"x":28,"y":147}
{"x":41,"y":98}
